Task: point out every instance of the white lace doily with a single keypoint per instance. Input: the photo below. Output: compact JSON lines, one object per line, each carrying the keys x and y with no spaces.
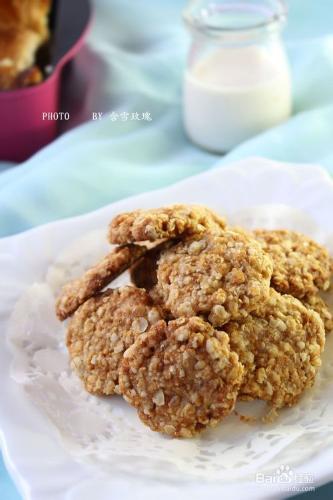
{"x":107,"y":433}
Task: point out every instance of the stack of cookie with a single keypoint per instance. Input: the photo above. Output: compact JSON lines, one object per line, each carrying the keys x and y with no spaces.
{"x":213,"y":314}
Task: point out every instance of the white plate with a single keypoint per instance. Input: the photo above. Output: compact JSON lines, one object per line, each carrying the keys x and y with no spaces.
{"x":40,"y":451}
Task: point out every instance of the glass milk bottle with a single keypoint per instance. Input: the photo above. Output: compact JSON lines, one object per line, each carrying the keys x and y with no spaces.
{"x":237,"y":82}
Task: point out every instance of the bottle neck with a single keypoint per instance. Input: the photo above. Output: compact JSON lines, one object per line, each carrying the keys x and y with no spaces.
{"x":235,"y":23}
{"x":236,"y":39}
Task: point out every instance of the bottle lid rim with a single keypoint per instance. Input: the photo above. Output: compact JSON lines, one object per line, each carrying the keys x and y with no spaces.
{"x":197,"y":17}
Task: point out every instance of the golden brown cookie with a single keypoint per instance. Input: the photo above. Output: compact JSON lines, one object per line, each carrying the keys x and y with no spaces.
{"x":301,"y":266}
{"x":279,"y":346}
{"x":223,"y":276}
{"x":163,"y":223}
{"x":102,"y":329}
{"x":95,"y":279}
{"x":181,"y":377}
{"x":318,"y":304}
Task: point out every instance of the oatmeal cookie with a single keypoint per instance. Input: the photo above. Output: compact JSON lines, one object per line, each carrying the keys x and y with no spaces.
{"x":318,"y":304}
{"x":102,"y":329}
{"x":301,"y":266}
{"x":280,"y":346}
{"x":223,"y":276}
{"x":163,"y":223}
{"x":181,"y":377}
{"x":95,"y":279}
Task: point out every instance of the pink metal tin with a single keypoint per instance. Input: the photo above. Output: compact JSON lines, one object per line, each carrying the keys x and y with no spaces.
{"x":23,"y":131}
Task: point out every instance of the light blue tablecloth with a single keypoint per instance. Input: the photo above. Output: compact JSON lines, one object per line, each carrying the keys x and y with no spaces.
{"x":134,"y":62}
